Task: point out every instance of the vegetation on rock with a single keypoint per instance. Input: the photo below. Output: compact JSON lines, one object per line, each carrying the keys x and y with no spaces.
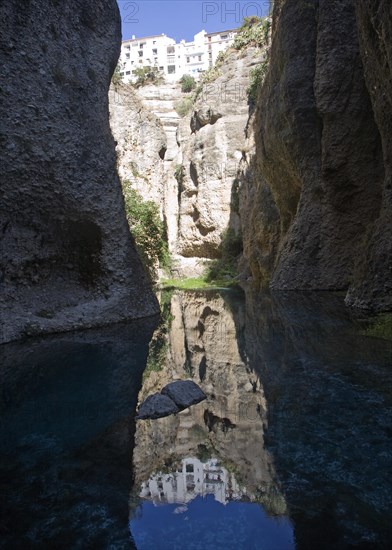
{"x":224,"y":269}
{"x":184,"y":106}
{"x":159,"y":344}
{"x":148,"y":230}
{"x":117,"y":78}
{"x":381,"y":327}
{"x":253,"y":32}
{"x":148,"y":75}
{"x":188,"y":83}
{"x":257,"y":76}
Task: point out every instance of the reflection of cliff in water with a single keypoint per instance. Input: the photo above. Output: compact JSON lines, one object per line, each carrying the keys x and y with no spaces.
{"x":297,"y":392}
{"x":199,"y":341}
{"x":329,"y":392}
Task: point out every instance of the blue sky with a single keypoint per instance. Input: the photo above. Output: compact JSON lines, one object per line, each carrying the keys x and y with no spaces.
{"x":183,"y":18}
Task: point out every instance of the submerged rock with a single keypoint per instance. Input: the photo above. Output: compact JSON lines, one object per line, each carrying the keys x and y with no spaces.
{"x":156,"y":406}
{"x":174,"y":397}
{"x":184,"y":393}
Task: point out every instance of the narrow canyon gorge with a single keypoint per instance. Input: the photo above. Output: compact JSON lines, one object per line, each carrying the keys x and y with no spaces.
{"x":301,"y":175}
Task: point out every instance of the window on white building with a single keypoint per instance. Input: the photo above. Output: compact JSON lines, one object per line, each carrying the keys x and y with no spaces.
{"x":127,"y":55}
{"x":170,"y":49}
{"x":154,"y":51}
{"x":128,"y":72}
{"x":188,"y":59}
{"x":171,"y":69}
{"x":199,"y":57}
{"x":140,"y":54}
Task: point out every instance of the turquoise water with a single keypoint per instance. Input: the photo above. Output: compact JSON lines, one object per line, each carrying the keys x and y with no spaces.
{"x":291,"y":449}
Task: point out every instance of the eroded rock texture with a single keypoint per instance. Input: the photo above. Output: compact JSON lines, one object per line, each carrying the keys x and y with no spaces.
{"x":374,"y":281}
{"x":188,"y":165}
{"x":141,"y":143}
{"x":316,"y":201}
{"x":68,"y":260}
{"x":213,"y":142}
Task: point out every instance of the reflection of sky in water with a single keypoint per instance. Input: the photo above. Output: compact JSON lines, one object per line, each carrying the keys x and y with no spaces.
{"x":209,"y":525}
{"x":201,"y":505}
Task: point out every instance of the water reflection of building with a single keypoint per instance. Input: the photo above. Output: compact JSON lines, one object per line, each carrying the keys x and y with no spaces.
{"x":191,"y":479}
{"x":201,"y":341}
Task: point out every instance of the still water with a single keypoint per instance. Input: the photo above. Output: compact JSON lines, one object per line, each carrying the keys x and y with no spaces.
{"x":291,"y":449}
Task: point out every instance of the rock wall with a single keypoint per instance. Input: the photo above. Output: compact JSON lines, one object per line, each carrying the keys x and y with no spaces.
{"x":316,"y":199}
{"x":68,"y":260}
{"x":373,"y":284}
{"x":194,"y":179}
{"x":213,"y":143}
{"x":140,"y":143}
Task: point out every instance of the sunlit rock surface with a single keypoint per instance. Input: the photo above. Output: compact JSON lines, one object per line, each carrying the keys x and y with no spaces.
{"x":188,"y":165}
{"x":141,"y":143}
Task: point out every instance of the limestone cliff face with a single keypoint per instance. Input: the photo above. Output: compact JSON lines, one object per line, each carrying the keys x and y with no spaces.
{"x":316,"y":206}
{"x":144,"y":124}
{"x":188,"y":166}
{"x":68,"y":260}
{"x":213,"y":143}
{"x":140,"y":143}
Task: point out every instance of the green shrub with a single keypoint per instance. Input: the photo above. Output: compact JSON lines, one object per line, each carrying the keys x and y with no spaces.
{"x":253,"y":32}
{"x":148,"y":230}
{"x":184,"y":106}
{"x":188,"y":83}
{"x":381,"y":326}
{"x":257,"y":75}
{"x":179,"y":174}
{"x":148,"y":75}
{"x":225,"y":268}
{"x":117,"y":78}
{"x":157,"y":351}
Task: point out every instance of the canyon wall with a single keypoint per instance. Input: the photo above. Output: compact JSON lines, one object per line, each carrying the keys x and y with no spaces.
{"x":190,"y":169}
{"x":213,"y":143}
{"x":68,"y":260}
{"x":316,"y":198}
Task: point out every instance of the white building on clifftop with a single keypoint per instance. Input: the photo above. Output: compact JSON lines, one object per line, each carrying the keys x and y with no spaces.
{"x":173,"y":59}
